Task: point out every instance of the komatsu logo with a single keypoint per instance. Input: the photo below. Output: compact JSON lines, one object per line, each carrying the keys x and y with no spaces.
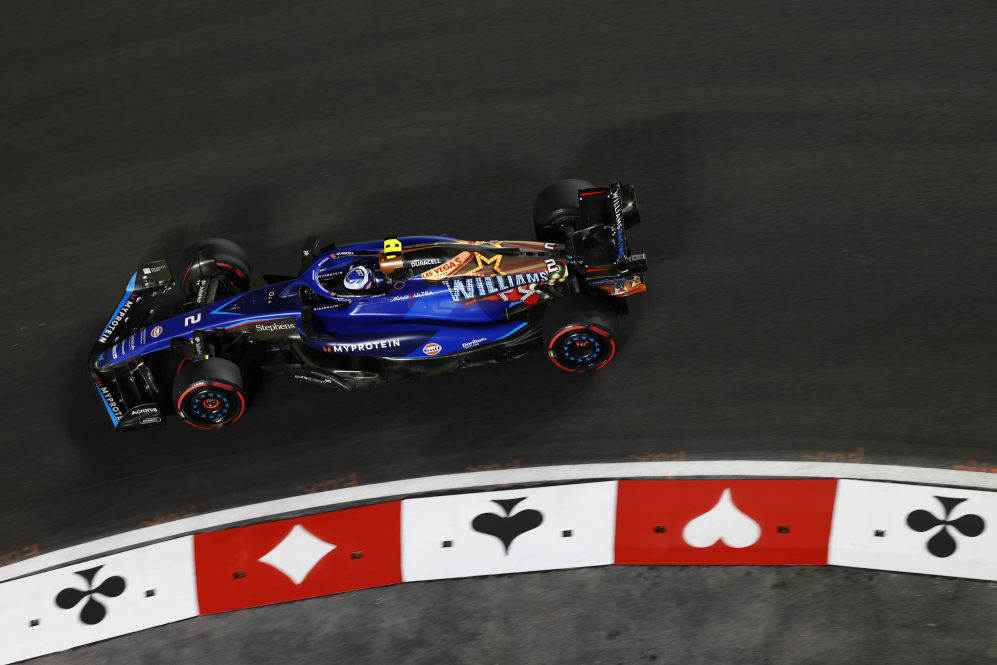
{"x":365,"y":346}
{"x":118,"y":318}
{"x":468,"y":288}
{"x":110,"y":401}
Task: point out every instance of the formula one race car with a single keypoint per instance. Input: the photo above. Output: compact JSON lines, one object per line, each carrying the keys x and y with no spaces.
{"x":370,"y":312}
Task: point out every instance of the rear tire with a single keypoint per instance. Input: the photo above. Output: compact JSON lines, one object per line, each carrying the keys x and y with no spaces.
{"x":555,"y":206}
{"x":208,"y":394}
{"x":580,"y":332}
{"x":230,"y":258}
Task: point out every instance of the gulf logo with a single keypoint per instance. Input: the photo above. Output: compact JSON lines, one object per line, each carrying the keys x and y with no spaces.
{"x":157,"y":331}
{"x":432,"y":349}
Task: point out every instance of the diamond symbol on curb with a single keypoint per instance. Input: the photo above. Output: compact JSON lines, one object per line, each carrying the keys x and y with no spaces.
{"x":297,"y":554}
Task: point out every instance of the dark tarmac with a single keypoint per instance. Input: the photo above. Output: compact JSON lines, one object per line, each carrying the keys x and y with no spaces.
{"x":816,"y":183}
{"x":621,"y":615}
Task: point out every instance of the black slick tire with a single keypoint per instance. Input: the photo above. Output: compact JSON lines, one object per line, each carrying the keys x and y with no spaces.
{"x":209,"y":394}
{"x":580,"y":332}
{"x":230,"y":259}
{"x":555,"y":206}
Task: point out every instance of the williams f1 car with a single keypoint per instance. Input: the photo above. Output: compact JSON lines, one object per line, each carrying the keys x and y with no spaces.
{"x":370,"y":312}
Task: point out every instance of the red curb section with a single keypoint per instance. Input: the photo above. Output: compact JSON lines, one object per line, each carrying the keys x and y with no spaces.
{"x":781,"y":522}
{"x":233,"y":573}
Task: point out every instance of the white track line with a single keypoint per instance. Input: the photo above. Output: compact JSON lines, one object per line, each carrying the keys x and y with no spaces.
{"x":457,"y":481}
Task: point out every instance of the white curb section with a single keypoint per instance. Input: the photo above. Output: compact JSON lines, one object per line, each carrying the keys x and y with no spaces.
{"x":459,"y":481}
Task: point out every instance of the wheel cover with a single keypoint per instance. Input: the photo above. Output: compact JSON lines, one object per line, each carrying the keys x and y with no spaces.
{"x":581,"y":348}
{"x":211,"y":404}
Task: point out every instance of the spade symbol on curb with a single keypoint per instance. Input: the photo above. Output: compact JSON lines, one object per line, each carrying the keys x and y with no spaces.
{"x":508,"y":527}
{"x":942,"y":544}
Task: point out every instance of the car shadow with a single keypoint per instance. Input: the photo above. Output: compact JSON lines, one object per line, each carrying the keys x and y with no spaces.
{"x":413,"y":428}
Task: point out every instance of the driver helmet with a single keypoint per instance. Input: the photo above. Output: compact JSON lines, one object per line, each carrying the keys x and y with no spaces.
{"x":359,"y":278}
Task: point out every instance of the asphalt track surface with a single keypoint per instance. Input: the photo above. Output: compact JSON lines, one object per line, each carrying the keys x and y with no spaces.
{"x":635,"y":615}
{"x":816,"y":183}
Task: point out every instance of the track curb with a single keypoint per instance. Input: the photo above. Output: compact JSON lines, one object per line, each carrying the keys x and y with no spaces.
{"x":462,"y":525}
{"x":483,"y":479}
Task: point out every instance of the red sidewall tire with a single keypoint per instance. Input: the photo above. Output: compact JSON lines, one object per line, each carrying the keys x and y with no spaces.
{"x":230,"y":259}
{"x":580,"y":332}
{"x":599,"y":357}
{"x":208,"y":394}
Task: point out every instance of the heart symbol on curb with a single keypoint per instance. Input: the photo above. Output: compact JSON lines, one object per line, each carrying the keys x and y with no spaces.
{"x":508,"y":527}
{"x":722,"y":522}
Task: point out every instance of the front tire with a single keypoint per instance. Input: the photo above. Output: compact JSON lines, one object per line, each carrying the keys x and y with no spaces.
{"x":230,"y":259}
{"x":208,"y":394}
{"x":580,"y":332}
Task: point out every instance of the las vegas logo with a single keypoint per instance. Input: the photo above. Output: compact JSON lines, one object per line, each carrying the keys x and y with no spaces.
{"x":448,"y":268}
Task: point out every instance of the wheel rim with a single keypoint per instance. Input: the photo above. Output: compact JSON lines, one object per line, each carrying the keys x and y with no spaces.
{"x":211,"y":404}
{"x":581,"y":348}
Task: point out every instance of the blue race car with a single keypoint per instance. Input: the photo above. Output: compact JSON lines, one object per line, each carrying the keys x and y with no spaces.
{"x":370,"y":312}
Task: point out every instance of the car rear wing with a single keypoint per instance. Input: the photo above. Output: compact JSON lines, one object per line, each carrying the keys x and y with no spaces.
{"x":128,"y":389}
{"x":599,"y":245}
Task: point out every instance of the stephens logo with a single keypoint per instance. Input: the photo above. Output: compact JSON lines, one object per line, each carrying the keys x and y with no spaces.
{"x":448,"y":268}
{"x":469,"y":288}
{"x":156,"y":332}
{"x":432,"y":349}
{"x":473,"y":342}
{"x":274,"y":327}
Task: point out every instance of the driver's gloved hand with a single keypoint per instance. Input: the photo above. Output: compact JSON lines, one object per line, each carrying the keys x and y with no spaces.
{"x":381,"y":282}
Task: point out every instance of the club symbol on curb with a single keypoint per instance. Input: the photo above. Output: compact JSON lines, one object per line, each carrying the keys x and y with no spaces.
{"x":508,"y":527}
{"x":93,"y":611}
{"x":942,"y":544}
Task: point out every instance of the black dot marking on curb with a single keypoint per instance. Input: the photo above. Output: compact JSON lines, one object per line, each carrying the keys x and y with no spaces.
{"x":447,"y":543}
{"x":783,"y":529}
{"x":238,"y":574}
{"x":356,"y":555}
{"x":34,"y":622}
{"x":879,"y":533}
{"x":566,"y":533}
{"x":659,"y":529}
{"x":149,"y":593}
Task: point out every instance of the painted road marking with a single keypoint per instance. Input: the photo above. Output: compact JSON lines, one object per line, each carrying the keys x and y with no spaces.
{"x":460,"y":481}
